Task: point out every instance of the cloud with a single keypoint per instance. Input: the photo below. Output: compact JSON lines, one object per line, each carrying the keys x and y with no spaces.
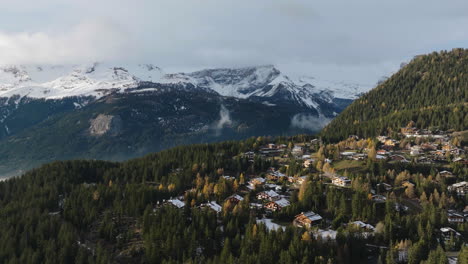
{"x":89,"y":41}
{"x":310,"y":122}
{"x":342,"y":36}
{"x":224,"y":120}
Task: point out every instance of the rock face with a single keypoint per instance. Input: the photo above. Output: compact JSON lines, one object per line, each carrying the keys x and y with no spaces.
{"x":105,"y":124}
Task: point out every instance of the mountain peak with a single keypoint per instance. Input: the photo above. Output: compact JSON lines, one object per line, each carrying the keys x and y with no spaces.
{"x":97,"y":79}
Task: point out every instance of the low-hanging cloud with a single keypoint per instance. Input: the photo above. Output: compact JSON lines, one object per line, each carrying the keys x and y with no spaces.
{"x":309,"y":122}
{"x":224,"y":120}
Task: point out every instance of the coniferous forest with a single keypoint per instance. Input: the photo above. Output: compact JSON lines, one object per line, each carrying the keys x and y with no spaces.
{"x":431,"y":90}
{"x":385,"y":182}
{"x":104,"y":212}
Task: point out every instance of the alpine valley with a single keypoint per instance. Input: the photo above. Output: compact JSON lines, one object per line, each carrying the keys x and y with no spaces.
{"x":103,"y":111}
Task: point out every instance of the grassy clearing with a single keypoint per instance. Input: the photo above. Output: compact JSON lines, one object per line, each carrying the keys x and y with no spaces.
{"x":350,"y":165}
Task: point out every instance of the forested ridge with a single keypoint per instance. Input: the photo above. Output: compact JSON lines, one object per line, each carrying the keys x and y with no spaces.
{"x":431,"y":90}
{"x":106,"y":212}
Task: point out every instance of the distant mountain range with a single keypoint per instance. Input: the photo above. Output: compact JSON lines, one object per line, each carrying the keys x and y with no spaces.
{"x":98,"y":80}
{"x":117,"y":112}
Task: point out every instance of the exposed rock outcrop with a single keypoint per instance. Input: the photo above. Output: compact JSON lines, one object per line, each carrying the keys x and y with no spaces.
{"x":105,"y":125}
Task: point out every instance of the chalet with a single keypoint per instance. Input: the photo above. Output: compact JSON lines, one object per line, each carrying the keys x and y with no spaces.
{"x":314,"y":141}
{"x":271,"y":186}
{"x":380,"y":157}
{"x":387,"y":148}
{"x":277,"y":205}
{"x":268,"y":152}
{"x":460,"y":160}
{"x":359,"y":156}
{"x":447,"y":147}
{"x":455,"y":217}
{"x":176,"y":203}
{"x":229,"y":178}
{"x":347,"y":155}
{"x":212,"y":206}
{"x":253,"y":183}
{"x":382,"y":152}
{"x":402,"y":255}
{"x":307,"y":219}
{"x":387,"y":187}
{"x":268,"y":195}
{"x":409,"y":131}
{"x":446,"y":174}
{"x":425,"y":160}
{"x":341,"y":181}
{"x":415,"y":150}
{"x":235,"y":198}
{"x":249,"y":154}
{"x":325,"y":234}
{"x":401,"y":207}
{"x":382,"y":139}
{"x":275,"y":175}
{"x":428,"y":147}
{"x":255,"y":206}
{"x":298,"y":180}
{"x":297,"y":151}
{"x":456,"y":151}
{"x":399,"y":158}
{"x":448,"y":232}
{"x":461,"y":188}
{"x":377,"y":198}
{"x":390,"y":142}
{"x":301,"y":179}
{"x":367,"y":229}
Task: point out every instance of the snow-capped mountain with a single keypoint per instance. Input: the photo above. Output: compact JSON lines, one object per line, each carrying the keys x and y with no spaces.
{"x":54,"y":82}
{"x":265,"y":83}
{"x":102,"y":111}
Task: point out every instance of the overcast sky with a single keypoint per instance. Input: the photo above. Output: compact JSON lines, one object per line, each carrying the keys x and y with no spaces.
{"x":358,"y":40}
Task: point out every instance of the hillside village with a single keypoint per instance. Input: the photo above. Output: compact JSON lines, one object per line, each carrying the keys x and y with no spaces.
{"x":398,"y":198}
{"x":306,"y":175}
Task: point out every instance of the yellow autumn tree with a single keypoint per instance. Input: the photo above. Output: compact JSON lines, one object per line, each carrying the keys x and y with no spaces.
{"x":235,"y":185}
{"x":171,"y":187}
{"x":241,"y":179}
{"x":306,"y":236}
{"x":302,"y":191}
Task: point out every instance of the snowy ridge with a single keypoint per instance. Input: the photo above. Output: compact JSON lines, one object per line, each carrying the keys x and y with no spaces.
{"x":268,"y":82}
{"x":55,"y":82}
{"x":97,"y":80}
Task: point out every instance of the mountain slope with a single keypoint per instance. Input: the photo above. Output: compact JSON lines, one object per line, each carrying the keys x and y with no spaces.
{"x":100,"y":111}
{"x":432,"y":91}
{"x":124,"y":125}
